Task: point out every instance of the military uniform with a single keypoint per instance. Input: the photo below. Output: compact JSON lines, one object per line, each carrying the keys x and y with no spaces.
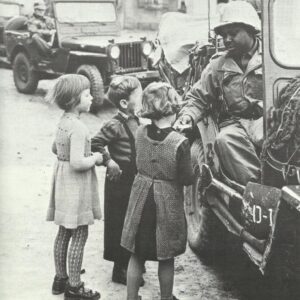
{"x":39,"y":27}
{"x":232,"y":87}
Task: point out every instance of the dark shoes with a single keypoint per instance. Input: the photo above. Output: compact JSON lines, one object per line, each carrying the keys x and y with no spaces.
{"x":119,"y":275}
{"x":59,"y":285}
{"x":80,"y":293}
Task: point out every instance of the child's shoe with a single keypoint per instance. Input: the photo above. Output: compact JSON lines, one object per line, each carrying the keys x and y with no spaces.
{"x":59,"y":285}
{"x":119,"y":274}
{"x":80,"y":293}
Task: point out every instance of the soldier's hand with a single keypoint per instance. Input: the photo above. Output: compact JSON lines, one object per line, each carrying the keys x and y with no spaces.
{"x":183,"y":123}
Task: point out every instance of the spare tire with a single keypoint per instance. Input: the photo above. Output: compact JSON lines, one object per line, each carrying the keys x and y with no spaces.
{"x":97,"y":88}
{"x":16,"y":23}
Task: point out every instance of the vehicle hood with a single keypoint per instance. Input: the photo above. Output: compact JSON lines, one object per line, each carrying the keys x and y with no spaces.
{"x":96,"y":43}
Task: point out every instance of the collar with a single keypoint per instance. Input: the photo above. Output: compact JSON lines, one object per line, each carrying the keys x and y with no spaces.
{"x":71,"y":114}
{"x":230,"y":65}
{"x":122,"y":114}
{"x":125,"y":116}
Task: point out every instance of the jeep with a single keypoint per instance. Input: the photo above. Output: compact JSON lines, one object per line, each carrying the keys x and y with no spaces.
{"x":262,"y":219}
{"x":88,"y":41}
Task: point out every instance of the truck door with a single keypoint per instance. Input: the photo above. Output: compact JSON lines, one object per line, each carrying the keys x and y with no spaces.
{"x":281,"y":63}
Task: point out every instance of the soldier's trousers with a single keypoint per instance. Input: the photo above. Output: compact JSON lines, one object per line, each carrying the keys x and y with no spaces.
{"x":42,"y":46}
{"x":236,"y":148}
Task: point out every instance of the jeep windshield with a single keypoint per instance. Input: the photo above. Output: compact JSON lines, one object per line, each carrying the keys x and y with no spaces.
{"x":9,"y":10}
{"x":85,"y":12}
{"x":285,"y":33}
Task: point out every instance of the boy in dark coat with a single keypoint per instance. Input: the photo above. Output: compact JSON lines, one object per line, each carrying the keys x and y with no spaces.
{"x":118,"y":135}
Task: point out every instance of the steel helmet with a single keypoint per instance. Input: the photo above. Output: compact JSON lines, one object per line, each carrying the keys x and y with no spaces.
{"x":39,"y":5}
{"x":239,"y":12}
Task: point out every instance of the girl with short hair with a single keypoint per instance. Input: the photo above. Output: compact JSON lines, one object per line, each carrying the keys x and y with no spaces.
{"x":74,"y":202}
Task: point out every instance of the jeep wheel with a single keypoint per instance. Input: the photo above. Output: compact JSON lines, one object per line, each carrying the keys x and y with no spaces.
{"x":205,"y":232}
{"x":25,"y":78}
{"x":97,"y":89}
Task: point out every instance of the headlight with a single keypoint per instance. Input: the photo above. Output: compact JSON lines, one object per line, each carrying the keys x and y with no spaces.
{"x":146,"y":48}
{"x":114,"y":52}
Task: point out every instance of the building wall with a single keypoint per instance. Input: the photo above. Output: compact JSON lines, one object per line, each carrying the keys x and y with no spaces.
{"x":133,"y":16}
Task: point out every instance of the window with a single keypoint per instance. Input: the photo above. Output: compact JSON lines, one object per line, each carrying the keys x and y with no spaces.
{"x":77,"y":12}
{"x":153,"y":4}
{"x":285,"y":33}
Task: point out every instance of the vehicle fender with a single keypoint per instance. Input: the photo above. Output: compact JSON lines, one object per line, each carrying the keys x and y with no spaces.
{"x":17,"y":49}
{"x":76,"y":58}
{"x":283,"y":247}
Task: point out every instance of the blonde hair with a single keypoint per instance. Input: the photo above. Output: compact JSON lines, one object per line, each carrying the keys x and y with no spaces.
{"x":67,"y":90}
{"x":159,"y":100}
{"x":121,"y":87}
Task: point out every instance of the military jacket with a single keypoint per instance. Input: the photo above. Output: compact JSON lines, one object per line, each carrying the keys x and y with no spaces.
{"x":40,"y":25}
{"x":228,"y":90}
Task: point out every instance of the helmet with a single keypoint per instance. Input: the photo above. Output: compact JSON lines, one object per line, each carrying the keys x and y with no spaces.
{"x":39,"y":5}
{"x":240,"y":12}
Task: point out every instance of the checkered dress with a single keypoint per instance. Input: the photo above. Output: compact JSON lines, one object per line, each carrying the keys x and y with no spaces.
{"x":157,"y":168}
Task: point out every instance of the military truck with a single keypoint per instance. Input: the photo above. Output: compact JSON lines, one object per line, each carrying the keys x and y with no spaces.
{"x":88,"y":41}
{"x":263,"y":217}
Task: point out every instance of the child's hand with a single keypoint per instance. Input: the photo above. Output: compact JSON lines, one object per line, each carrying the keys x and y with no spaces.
{"x":113,"y":170}
{"x":98,"y":159}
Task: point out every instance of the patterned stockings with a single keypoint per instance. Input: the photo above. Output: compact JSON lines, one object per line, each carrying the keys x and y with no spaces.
{"x":75,"y":254}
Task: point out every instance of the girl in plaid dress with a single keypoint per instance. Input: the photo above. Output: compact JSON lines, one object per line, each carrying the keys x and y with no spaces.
{"x":155,"y":225}
{"x":74,"y":202}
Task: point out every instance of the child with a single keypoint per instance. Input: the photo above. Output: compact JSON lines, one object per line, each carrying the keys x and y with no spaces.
{"x":74,"y":200}
{"x":155,"y":225}
{"x":125,"y":93}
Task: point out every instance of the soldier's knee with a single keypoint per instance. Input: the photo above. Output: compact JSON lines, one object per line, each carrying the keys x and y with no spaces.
{"x":35,"y":37}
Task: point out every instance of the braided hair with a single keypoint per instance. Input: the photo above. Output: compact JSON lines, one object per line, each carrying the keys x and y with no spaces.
{"x":283,"y":136}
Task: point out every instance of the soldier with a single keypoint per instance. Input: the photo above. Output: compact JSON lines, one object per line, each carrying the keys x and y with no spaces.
{"x":231,"y":87}
{"x":41,"y":28}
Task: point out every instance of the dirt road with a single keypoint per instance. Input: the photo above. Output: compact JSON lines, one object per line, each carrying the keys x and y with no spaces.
{"x":26,"y":260}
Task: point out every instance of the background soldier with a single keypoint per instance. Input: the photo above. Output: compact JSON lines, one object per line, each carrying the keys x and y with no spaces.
{"x":41,"y":28}
{"x":231,"y":87}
